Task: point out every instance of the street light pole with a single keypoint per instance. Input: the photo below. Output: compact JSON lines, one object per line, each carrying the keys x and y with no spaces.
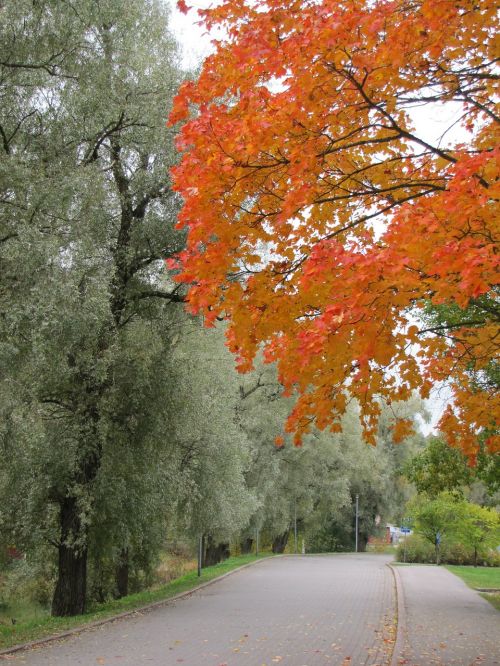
{"x":295,"y":523}
{"x":357,"y":519}
{"x":200,"y":553}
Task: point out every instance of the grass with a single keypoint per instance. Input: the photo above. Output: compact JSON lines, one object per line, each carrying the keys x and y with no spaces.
{"x":493,"y":598}
{"x":31,"y":628}
{"x":486,"y":577}
{"x":481,"y":577}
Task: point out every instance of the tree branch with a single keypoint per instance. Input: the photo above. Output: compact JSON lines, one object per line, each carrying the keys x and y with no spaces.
{"x":171,"y":296}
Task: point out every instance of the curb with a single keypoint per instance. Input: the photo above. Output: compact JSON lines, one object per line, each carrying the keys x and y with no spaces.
{"x":401,"y":626}
{"x":135,"y":611}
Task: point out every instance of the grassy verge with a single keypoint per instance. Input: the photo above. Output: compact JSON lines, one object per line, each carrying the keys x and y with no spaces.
{"x":41,"y":627}
{"x":481,"y":577}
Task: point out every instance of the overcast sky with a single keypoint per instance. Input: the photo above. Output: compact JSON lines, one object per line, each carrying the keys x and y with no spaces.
{"x":193,"y":38}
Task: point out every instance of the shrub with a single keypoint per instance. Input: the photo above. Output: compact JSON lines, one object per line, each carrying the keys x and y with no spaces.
{"x":489,"y":558}
{"x":456,"y":553}
{"x":418,"y":550}
{"x":28,"y":582}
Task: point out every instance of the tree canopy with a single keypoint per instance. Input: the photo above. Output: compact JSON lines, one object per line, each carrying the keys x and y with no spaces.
{"x":86,"y":219}
{"x":321,"y":223}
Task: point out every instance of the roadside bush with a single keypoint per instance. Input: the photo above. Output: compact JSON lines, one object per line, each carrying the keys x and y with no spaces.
{"x":418,"y":550}
{"x":174,"y":565}
{"x":25,"y":581}
{"x":102,"y":585}
{"x":489,"y":559}
{"x":456,"y":553}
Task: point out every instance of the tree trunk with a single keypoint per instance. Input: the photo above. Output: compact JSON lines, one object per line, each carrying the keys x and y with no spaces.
{"x":70,"y":592}
{"x":475,"y":556}
{"x":214,"y":552}
{"x":280,"y":541}
{"x":362,"y":541}
{"x":122,"y":572}
{"x":246,"y":546}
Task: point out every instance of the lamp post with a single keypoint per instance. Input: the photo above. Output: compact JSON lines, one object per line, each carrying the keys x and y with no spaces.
{"x":295,"y":523}
{"x":200,"y":553}
{"x":357,"y":519}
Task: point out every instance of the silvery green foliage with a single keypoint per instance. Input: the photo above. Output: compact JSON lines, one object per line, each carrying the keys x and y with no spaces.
{"x":86,"y":217}
{"x":136,"y":488}
{"x":307,"y":482}
{"x":396,"y":456}
{"x":261,"y":414}
{"x":204,"y":392}
{"x":318,"y":482}
{"x":375,"y":474}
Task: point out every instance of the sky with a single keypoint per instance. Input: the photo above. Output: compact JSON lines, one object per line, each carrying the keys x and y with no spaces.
{"x":194,"y":41}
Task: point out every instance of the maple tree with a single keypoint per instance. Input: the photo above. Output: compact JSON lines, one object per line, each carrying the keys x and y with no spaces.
{"x":321,"y":223}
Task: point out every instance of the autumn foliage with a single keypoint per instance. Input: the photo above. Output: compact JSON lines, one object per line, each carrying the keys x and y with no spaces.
{"x":321,"y":223}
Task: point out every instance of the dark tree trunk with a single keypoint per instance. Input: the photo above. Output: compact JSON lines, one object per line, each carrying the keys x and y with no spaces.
{"x":70,"y":592}
{"x":362,"y":541}
{"x":280,"y":541}
{"x":122,"y":572}
{"x":214,"y":552}
{"x":246,"y":546}
{"x":475,"y":556}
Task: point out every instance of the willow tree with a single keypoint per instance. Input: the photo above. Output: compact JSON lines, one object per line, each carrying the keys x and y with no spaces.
{"x":215,"y":500}
{"x":87,"y":219}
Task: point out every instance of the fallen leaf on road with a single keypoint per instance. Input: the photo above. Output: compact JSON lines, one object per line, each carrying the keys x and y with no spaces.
{"x":101,"y":660}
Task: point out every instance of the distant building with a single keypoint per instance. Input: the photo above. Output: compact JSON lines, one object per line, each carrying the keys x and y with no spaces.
{"x":393,"y":534}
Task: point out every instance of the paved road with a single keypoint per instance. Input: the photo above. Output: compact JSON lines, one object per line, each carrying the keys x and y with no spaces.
{"x":445,"y":622}
{"x":296,"y":611}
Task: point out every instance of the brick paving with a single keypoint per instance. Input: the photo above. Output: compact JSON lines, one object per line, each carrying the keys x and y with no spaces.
{"x":445,"y":622}
{"x":328,"y":610}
